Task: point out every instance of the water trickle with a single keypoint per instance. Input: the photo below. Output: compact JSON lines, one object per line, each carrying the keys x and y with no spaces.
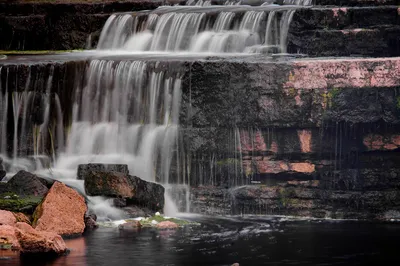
{"x":199,"y":27}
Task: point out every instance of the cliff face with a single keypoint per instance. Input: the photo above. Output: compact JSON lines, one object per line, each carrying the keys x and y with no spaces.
{"x":312,"y":137}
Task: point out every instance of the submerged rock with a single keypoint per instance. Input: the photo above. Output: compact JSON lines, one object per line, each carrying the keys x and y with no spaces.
{"x":62,"y":211}
{"x":25,"y":183}
{"x":35,"y":241}
{"x":125,"y":187}
{"x":167,"y":225}
{"x":85,"y":169}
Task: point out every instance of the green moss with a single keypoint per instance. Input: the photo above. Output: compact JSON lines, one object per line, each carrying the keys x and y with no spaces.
{"x":286,"y":196}
{"x":398,"y":102}
{"x":147,"y":222}
{"x":15,"y":203}
{"x":36,"y":215}
{"x":34,"y":52}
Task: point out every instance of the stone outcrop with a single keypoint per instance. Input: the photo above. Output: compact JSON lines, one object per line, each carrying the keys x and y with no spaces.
{"x":85,"y":169}
{"x":118,"y":185}
{"x":25,"y":183}
{"x":59,"y":25}
{"x":62,"y":211}
{"x":34,"y":241}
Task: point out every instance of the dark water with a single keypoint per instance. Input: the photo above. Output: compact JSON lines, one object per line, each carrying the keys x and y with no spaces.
{"x":223,"y":241}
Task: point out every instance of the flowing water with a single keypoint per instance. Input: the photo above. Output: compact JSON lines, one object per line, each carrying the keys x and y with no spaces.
{"x":224,"y":241}
{"x":127,"y":110}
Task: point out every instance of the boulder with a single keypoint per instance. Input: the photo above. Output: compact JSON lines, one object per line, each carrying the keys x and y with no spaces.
{"x":85,"y":169}
{"x":109,"y":184}
{"x":167,"y":225}
{"x":8,"y":238}
{"x":62,"y":211}
{"x":25,"y":183}
{"x":35,"y":241}
{"x":147,"y":194}
{"x":7,"y":218}
{"x":135,"y":190}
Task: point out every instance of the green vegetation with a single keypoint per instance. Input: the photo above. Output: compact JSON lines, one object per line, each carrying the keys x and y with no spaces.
{"x":35,"y":52}
{"x":286,"y":196}
{"x":398,"y":102}
{"x":15,"y":203}
{"x":147,"y":222}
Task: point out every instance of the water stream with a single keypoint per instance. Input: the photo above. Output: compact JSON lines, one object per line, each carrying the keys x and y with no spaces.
{"x":127,"y":111}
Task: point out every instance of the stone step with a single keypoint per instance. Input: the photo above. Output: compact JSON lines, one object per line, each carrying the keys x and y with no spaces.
{"x":357,"y":2}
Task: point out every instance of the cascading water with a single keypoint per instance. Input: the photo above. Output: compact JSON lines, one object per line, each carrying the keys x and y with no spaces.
{"x":196,"y":29}
{"x":128,"y":111}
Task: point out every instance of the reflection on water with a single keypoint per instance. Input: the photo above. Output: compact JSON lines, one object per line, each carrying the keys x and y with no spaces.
{"x":223,"y":241}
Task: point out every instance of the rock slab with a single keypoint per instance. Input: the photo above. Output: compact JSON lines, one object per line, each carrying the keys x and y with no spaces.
{"x":85,"y":169}
{"x":62,"y":211}
{"x":118,"y":185}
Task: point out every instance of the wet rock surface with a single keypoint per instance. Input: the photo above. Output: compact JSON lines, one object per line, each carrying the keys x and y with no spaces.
{"x":85,"y":169}
{"x":58,"y":26}
{"x":25,"y":183}
{"x":128,"y":190}
{"x":33,"y":241}
{"x":62,"y":211}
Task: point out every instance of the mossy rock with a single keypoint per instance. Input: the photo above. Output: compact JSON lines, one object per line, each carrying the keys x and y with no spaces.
{"x":16,"y":203}
{"x":147,"y":222}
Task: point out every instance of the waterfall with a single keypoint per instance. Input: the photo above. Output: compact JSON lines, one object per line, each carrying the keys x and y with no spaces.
{"x":194,"y":28}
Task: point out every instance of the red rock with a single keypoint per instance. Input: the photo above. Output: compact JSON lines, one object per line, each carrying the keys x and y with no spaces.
{"x":62,"y":211}
{"x":34,"y":241}
{"x":167,"y":225}
{"x":8,"y":238}
{"x":21,"y":217}
{"x":7,"y":218}
{"x":305,"y":140}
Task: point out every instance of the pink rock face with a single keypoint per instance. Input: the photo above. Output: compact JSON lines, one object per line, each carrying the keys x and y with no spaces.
{"x":380,"y":142}
{"x":302,"y":167}
{"x":8,"y":238}
{"x":7,"y":218}
{"x":305,"y":140}
{"x":268,"y":166}
{"x":167,"y":225}
{"x":62,"y":211}
{"x":344,"y":73}
{"x":34,"y":241}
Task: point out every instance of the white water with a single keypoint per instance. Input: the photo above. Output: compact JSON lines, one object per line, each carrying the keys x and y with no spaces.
{"x":125,"y":112}
{"x":194,"y":28}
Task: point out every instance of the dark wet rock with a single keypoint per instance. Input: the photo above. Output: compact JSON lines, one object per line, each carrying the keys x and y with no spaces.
{"x":135,"y":211}
{"x":84,"y":169}
{"x":90,"y":222}
{"x":109,"y":184}
{"x":135,"y":190}
{"x":119,"y":202}
{"x":59,"y":25}
{"x":147,"y":194}
{"x":25,"y":183}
